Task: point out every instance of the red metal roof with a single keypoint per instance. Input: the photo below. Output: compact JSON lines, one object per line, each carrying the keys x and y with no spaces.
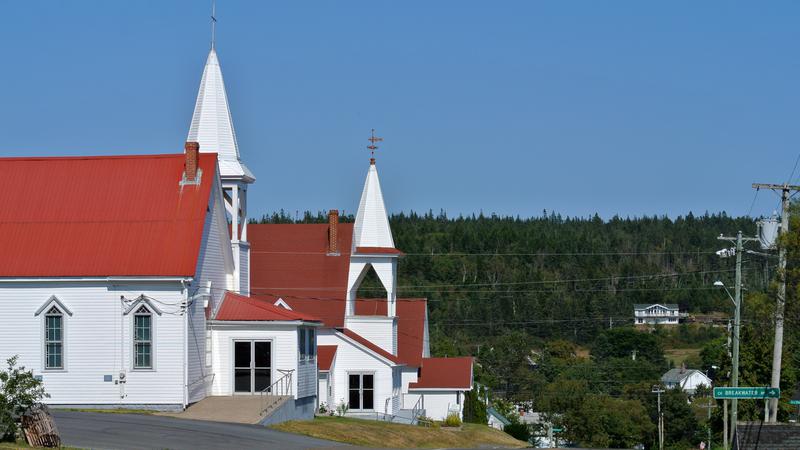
{"x":445,"y":373}
{"x":367,"y":343}
{"x":378,"y":251}
{"x":101,"y":216}
{"x":289,"y":261}
{"x":325,"y":354}
{"x":237,"y":307}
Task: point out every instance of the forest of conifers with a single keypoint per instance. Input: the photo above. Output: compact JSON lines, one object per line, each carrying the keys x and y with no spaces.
{"x":555,"y":277}
{"x":545,"y":304}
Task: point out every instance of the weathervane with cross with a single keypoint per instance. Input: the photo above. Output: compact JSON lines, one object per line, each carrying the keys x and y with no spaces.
{"x":213,"y":24}
{"x":372,"y":147}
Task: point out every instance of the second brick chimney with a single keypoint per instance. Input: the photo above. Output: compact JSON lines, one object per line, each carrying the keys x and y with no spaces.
{"x":333,"y":232}
{"x":192,"y":159}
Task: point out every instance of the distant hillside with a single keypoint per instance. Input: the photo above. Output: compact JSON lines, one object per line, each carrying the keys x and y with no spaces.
{"x":555,"y":277}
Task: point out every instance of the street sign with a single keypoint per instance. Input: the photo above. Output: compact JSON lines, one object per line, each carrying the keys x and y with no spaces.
{"x":557,"y":430}
{"x":794,"y":402}
{"x":746,"y":392}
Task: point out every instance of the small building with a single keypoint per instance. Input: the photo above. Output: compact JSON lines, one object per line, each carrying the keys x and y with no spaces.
{"x":766,"y":436}
{"x":497,"y":420}
{"x":686,"y":379}
{"x":656,"y":314}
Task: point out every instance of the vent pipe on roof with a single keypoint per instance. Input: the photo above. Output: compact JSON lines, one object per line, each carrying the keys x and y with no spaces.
{"x":192,"y":159}
{"x":333,"y":232}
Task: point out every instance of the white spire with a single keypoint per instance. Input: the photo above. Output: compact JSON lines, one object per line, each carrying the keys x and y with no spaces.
{"x":372,"y":223}
{"x":212,"y":125}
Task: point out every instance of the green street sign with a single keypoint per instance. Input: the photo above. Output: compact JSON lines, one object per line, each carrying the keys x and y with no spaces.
{"x":557,"y":430}
{"x":794,"y":402}
{"x":746,"y":392}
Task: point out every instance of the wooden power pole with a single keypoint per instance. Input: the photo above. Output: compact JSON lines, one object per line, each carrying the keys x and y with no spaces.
{"x":777,"y":350}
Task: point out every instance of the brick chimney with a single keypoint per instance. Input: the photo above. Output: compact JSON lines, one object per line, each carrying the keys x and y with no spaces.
{"x":192,"y":159}
{"x":333,"y":232}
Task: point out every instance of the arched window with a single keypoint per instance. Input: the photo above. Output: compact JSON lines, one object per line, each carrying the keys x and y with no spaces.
{"x":54,"y":339}
{"x":143,"y":338}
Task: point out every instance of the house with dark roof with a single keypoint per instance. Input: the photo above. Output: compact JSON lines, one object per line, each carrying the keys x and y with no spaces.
{"x":766,"y":436}
{"x":685,"y":379}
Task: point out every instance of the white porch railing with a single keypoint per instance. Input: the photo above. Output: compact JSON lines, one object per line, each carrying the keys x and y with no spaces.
{"x":281,"y":387}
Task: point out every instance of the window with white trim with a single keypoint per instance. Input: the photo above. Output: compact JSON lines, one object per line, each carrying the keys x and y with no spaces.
{"x":143,"y":339}
{"x":54,"y":339}
{"x":361,"y":391}
{"x":301,"y":343}
{"x":312,"y":343}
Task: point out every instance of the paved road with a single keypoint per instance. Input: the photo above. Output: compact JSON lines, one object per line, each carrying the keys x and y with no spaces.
{"x":133,"y":431}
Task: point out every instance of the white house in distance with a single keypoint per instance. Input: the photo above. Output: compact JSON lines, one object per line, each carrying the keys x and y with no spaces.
{"x":656,"y":314}
{"x":130,"y":281}
{"x":686,"y":379}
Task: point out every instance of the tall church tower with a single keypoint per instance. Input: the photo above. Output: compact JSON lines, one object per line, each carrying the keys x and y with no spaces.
{"x":212,"y":127}
{"x":373,"y":248}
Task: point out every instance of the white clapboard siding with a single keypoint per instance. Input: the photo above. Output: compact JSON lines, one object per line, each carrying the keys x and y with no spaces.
{"x":97,"y":340}
{"x":352,"y":358}
{"x":214,"y":268}
{"x":380,"y":330}
{"x":284,"y":351}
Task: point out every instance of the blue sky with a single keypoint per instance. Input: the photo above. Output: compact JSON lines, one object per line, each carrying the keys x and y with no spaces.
{"x":511,"y":107}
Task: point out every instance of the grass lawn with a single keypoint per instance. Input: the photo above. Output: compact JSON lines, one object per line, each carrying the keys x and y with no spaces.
{"x":371,"y":433}
{"x":679,"y":355}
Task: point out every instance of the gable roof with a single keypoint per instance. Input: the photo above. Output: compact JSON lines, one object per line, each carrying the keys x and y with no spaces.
{"x":212,"y":125}
{"x":325,"y":354}
{"x":496,"y":414}
{"x":101,"y":216}
{"x":766,"y":436}
{"x":367,"y":343}
{"x":289,"y":261}
{"x":639,"y":306}
{"x":445,"y":373}
{"x":676,"y":375}
{"x":237,"y":307}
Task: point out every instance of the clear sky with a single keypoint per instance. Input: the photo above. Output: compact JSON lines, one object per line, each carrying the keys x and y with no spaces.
{"x":511,"y":107}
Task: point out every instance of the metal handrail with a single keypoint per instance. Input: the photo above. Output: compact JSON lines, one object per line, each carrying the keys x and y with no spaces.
{"x":416,"y":409}
{"x":281,"y":386}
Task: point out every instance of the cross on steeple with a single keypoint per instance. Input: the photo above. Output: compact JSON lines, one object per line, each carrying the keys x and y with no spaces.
{"x":372,"y":147}
{"x":213,"y":24}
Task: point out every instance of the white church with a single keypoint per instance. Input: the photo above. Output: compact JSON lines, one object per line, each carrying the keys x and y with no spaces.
{"x":136,"y":281}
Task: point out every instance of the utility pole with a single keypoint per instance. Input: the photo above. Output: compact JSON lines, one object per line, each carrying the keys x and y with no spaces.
{"x":777,"y":350}
{"x":658,"y":391}
{"x":737,"y":319}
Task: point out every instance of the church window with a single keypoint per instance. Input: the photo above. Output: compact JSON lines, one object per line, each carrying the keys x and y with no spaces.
{"x":143,"y":339}
{"x":54,"y":339}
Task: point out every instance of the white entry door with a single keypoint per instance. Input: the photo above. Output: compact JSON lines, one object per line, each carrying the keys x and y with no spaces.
{"x":252,"y":366}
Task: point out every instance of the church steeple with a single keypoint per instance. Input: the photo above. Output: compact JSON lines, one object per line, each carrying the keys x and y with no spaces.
{"x":212,"y":128}
{"x":212,"y":124}
{"x":372,"y":223}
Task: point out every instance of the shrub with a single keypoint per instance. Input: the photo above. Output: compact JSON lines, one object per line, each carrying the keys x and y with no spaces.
{"x":323,"y":408}
{"x":474,"y":408}
{"x":19,"y":391}
{"x":518,"y":430}
{"x":452,"y":420}
{"x":425,"y":421}
{"x":342,"y":408}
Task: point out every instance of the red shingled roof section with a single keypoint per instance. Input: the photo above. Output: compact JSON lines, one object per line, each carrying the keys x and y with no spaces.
{"x":325,"y":354}
{"x":289,"y":261}
{"x":378,"y":251}
{"x":237,"y":307}
{"x":367,"y":343}
{"x":101,"y":216}
{"x":445,"y":373}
